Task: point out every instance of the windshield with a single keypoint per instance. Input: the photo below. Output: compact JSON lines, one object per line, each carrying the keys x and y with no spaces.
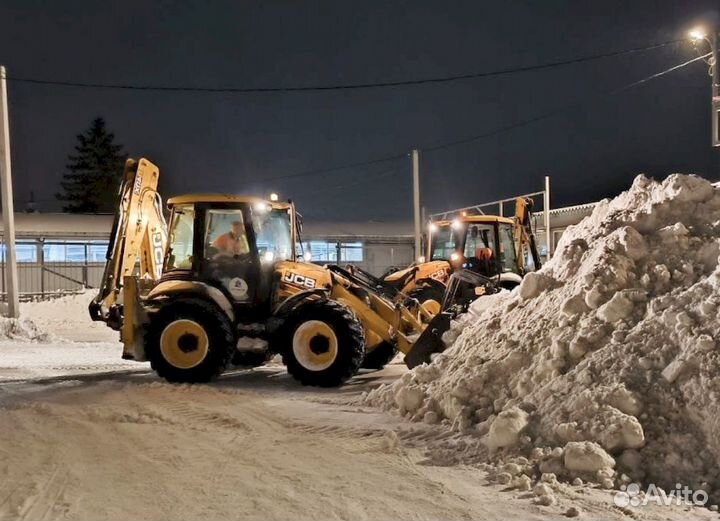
{"x":180,"y":242}
{"x":273,"y":233}
{"x":443,"y":243}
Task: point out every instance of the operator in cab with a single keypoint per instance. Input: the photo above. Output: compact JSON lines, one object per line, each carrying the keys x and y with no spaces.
{"x":233,"y":242}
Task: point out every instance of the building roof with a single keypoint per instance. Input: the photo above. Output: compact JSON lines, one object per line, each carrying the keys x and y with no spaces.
{"x":68,"y":225}
{"x":65,"y":225}
{"x":94,"y":226}
{"x":333,"y":229}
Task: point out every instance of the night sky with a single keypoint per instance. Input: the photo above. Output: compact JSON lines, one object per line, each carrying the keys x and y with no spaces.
{"x":235,"y":142}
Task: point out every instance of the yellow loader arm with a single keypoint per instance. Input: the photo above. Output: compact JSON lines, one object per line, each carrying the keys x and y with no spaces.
{"x":524,"y":235}
{"x":137,"y":241}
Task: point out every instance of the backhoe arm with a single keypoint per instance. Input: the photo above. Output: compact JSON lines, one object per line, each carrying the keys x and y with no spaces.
{"x":524,"y":235}
{"x":137,"y":241}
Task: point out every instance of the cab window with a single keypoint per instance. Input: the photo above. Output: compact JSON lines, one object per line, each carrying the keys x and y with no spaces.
{"x":443,"y":243}
{"x":508,"y":256}
{"x":180,"y":250}
{"x":272,"y":230}
{"x":225,"y":234}
{"x":479,"y":236}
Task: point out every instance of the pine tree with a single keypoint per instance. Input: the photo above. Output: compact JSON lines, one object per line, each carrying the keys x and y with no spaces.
{"x":90,"y":183}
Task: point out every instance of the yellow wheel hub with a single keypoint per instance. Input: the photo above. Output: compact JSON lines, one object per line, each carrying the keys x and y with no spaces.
{"x":184,"y":344}
{"x":431,"y":307}
{"x":315,"y":345}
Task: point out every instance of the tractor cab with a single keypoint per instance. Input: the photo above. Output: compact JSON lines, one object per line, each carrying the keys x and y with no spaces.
{"x":484,"y":244}
{"x":231,"y":243}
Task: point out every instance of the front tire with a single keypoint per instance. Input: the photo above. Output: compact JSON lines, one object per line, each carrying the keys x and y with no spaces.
{"x":322,"y":343}
{"x":189,"y":341}
{"x":379,"y":357}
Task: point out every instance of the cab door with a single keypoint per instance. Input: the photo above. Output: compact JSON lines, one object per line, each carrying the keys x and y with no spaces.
{"x":229,"y":255}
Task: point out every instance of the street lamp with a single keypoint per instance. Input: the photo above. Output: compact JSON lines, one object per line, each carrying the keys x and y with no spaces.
{"x":697,"y":34}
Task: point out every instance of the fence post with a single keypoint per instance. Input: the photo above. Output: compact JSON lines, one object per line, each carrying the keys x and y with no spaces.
{"x":41,"y":260}
{"x":3,"y":265}
{"x":85,"y":269}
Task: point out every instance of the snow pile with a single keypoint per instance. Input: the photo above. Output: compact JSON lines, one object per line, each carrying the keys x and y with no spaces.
{"x":22,"y":329}
{"x":72,"y":307}
{"x":603,"y":366}
{"x":67,"y":317}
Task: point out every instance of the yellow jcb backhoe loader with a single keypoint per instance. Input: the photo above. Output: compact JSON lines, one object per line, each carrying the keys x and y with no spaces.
{"x":491,"y":246}
{"x":230,"y":288}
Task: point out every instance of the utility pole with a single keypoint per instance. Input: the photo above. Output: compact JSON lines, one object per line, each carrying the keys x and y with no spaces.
{"x":699,"y":35}
{"x":715,"y":87}
{"x":416,"y":201}
{"x":546,"y":217}
{"x":8,"y":211}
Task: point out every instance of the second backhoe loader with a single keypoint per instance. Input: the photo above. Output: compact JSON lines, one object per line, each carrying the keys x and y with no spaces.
{"x":494,"y":247}
{"x":230,"y":288}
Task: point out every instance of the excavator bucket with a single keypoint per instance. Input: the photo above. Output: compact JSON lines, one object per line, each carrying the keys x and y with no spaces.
{"x":463,"y":287}
{"x":430,"y":341}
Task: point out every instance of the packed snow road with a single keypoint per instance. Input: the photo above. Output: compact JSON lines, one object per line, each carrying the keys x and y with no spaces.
{"x":118,"y":444}
{"x":88,"y":436}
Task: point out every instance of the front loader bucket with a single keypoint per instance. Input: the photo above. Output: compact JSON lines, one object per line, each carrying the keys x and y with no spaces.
{"x":430,"y":341}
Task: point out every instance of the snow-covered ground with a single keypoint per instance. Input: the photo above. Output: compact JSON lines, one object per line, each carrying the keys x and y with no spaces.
{"x":86,"y":435}
{"x":117,"y":443}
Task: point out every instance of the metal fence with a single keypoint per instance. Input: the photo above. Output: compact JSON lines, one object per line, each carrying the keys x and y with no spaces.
{"x":49,"y":268}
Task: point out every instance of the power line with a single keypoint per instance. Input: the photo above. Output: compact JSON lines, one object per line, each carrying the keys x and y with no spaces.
{"x":561,"y":110}
{"x":496,"y":131}
{"x":355,"y":86}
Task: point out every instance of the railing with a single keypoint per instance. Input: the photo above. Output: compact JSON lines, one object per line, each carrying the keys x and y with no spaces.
{"x":37,"y":279}
{"x":55,"y":267}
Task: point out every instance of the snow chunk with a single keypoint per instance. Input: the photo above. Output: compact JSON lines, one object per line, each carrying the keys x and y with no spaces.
{"x":587,"y":456}
{"x":505,"y":430}
{"x":533,"y":284}
{"x":616,"y":309}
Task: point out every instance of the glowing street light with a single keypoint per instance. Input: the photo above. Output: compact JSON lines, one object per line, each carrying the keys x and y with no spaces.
{"x":273,"y":197}
{"x":697,"y":34}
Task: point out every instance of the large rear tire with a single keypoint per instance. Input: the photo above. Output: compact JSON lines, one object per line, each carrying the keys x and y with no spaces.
{"x":189,"y":341}
{"x":322,"y":343}
{"x":379,"y":357}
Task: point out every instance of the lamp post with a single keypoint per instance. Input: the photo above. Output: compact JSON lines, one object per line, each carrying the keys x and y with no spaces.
{"x":698,"y":36}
